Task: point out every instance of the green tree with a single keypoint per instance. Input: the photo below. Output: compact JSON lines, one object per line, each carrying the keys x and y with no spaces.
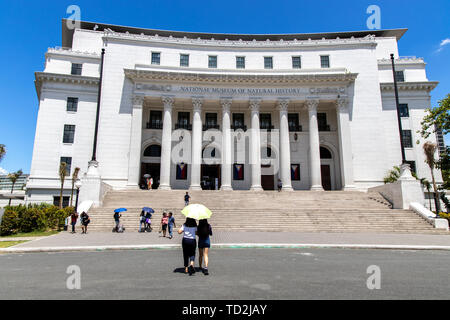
{"x":74,"y":179}
{"x":444,"y":165}
{"x":394,"y":174}
{"x":439,"y":117}
{"x":62,"y":177}
{"x":429,"y":149}
{"x":2,"y":151}
{"x":13,"y":178}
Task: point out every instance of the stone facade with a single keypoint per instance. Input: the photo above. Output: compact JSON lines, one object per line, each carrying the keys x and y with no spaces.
{"x":346,"y":136}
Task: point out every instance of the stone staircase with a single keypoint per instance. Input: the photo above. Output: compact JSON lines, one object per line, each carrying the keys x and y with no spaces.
{"x":299,"y":211}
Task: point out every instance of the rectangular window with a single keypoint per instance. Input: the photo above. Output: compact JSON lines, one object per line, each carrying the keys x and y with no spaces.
{"x":69,"y":133}
{"x":240,"y":62}
{"x":238,"y":171}
{"x":155,"y":120}
{"x":76,"y":69}
{"x":72,"y":104}
{"x":184,"y":60}
{"x":68,"y":161}
{"x":211,"y":121}
{"x":268,"y":63}
{"x":400,"y":76}
{"x":212,"y":61}
{"x":238,"y":121}
{"x":325,"y":61}
{"x":322,"y":122}
{"x":265,"y":121}
{"x":156,"y":58}
{"x":65,"y":201}
{"x":182,"y":171}
{"x":295,"y":172}
{"x":412,"y":165}
{"x":407,"y":139}
{"x":296,"y":62}
{"x":404,"y":110}
{"x":183,"y":121}
{"x":293,"y":122}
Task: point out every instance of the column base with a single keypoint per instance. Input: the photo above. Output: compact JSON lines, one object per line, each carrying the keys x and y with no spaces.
{"x":132,"y":186}
{"x":316,"y":188}
{"x":164,"y":187}
{"x":287,"y":188}
{"x":226,"y":188}
{"x":349,"y":188}
{"x":195,"y":187}
{"x":256,"y":188}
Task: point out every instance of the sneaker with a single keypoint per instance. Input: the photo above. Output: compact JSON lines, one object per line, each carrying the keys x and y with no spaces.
{"x":191,"y":270}
{"x":205,"y":271}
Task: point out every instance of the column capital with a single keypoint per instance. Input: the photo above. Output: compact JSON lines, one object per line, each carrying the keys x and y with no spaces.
{"x":197,"y":103}
{"x":254,"y":104}
{"x":138,"y":100}
{"x":312,"y":104}
{"x":342,"y":104}
{"x":226,"y":104}
{"x":283,"y":104}
{"x":168,"y":101}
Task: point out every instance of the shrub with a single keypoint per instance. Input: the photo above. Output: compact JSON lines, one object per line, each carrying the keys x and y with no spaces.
{"x":10,"y":222}
{"x":445,"y":216}
{"x":32,"y":220}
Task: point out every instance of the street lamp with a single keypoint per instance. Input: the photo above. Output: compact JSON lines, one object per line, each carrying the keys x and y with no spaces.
{"x":78,"y":186}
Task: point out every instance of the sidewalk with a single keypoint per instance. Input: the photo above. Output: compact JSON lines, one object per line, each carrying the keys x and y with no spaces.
{"x":221,"y":239}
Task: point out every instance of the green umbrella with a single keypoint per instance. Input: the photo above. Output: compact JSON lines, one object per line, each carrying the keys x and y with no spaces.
{"x":196,"y":211}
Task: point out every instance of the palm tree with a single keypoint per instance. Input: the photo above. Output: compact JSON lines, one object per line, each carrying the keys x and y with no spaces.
{"x":62,"y":177}
{"x":74,"y":179}
{"x":429,"y":149}
{"x":13,"y":178}
{"x":427,"y":185}
{"x":2,"y":151}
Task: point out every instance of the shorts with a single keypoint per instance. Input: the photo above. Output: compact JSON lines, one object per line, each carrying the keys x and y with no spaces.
{"x":164,"y":227}
{"x":204,"y":243}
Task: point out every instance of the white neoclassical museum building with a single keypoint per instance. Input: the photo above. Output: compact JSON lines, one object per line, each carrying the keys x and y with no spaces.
{"x":226,"y":111}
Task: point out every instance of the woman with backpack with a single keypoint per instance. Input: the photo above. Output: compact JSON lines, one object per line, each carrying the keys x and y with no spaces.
{"x":189,"y":244}
{"x":85,"y":220}
{"x":204,"y":230}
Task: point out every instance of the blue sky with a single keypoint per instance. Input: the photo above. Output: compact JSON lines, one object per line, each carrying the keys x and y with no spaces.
{"x":30,"y":27}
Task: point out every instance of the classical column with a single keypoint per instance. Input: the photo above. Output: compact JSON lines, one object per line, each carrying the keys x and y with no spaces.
{"x":226,"y":144}
{"x":166,"y":144}
{"x":285,"y":149}
{"x":345,"y":144}
{"x":134,"y":162}
{"x":196,"y":158}
{"x":314,"y":146}
{"x":255,"y":145}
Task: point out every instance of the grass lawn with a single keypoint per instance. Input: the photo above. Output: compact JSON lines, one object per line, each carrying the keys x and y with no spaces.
{"x":32,"y":234}
{"x":6,"y":244}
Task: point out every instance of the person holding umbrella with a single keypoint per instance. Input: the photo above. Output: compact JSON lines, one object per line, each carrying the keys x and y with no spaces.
{"x":204,"y":243}
{"x":147,"y":218}
{"x":117,"y":216}
{"x":189,"y":230}
{"x":147,"y":180}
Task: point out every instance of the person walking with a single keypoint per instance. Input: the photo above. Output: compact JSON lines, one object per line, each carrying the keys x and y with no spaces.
{"x":187,"y":197}
{"x":189,"y":244}
{"x":150,"y":183}
{"x":142,"y":221}
{"x":171,"y":224}
{"x":117,"y":216}
{"x":85,"y":220}
{"x":204,"y":231}
{"x":280,"y":185}
{"x":148,"y":222}
{"x":73,"y":220}
{"x":164,"y":223}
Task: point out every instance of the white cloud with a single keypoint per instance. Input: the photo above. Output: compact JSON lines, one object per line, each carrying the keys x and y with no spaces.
{"x":3,"y":172}
{"x":443,"y":44}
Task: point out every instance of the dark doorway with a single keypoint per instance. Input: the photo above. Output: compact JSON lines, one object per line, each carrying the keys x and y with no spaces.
{"x":209,"y":173}
{"x":267,"y":180}
{"x":153,"y":169}
{"x":326,"y":177}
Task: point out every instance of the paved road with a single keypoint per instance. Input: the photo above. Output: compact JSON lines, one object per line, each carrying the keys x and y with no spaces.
{"x":235,"y":274}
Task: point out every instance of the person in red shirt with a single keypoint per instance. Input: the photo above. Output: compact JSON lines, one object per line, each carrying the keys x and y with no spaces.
{"x":73,"y":220}
{"x":164,"y":223}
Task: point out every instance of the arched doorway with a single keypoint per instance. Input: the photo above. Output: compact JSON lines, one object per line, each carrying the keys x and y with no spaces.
{"x":151,"y":165}
{"x":326,"y":168}
{"x":211,"y":169}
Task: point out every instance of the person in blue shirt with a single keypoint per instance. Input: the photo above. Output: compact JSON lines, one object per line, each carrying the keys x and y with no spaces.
{"x":204,"y":231}
{"x":187,"y":197}
{"x":171,"y":224}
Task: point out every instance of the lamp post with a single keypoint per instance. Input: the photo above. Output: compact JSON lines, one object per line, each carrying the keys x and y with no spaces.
{"x":78,"y":186}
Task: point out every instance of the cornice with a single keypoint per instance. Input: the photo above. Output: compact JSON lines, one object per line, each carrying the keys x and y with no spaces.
{"x":67,"y":52}
{"x":201,"y":42}
{"x":410,"y":86}
{"x":42,"y":77}
{"x":142,"y":75}
{"x":402,"y":61}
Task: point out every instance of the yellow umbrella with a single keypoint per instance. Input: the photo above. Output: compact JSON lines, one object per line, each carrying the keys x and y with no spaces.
{"x":196,"y":211}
